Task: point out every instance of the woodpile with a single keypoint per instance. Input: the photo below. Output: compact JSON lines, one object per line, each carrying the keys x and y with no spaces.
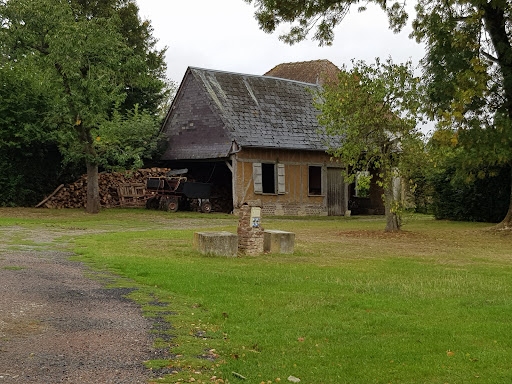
{"x":109,"y":183}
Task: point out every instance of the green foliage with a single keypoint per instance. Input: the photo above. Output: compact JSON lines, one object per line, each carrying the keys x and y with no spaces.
{"x":147,"y":92}
{"x":367,"y":115}
{"x":29,"y":157}
{"x":464,"y":188}
{"x":81,"y":67}
{"x":468,"y":73}
{"x":321,"y":15}
{"x":463,"y":81}
{"x":368,"y":112}
{"x":126,"y":140}
{"x":467,"y":66}
{"x":363,"y":180}
{"x":484,"y":199}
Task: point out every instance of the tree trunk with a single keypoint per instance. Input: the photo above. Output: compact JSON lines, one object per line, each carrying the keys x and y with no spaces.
{"x":496,"y":24}
{"x":93,"y":193}
{"x":392,"y":219}
{"x":506,"y":223}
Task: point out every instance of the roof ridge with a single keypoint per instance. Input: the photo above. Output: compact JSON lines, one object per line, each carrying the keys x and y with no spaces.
{"x":251,"y":75}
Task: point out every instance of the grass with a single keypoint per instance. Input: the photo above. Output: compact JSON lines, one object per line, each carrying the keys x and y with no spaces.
{"x":351,"y":305}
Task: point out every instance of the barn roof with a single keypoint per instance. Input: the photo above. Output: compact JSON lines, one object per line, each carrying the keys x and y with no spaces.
{"x":316,"y":71}
{"x":250,"y":110}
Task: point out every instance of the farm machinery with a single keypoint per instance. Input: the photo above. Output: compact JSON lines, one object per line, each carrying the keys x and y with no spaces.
{"x":174,"y":191}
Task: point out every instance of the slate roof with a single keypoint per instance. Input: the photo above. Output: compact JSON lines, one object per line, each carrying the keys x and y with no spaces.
{"x":250,"y":110}
{"x":316,"y":71}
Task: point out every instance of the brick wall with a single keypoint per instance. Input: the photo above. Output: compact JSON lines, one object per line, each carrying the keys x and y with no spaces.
{"x":250,"y":238}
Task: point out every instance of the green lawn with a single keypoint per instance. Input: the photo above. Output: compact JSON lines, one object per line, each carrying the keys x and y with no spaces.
{"x":351,"y":305}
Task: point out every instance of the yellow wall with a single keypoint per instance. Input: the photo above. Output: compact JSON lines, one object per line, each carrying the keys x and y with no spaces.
{"x":296,"y":200}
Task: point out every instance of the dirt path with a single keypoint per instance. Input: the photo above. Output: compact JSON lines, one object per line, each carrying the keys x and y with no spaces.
{"x":57,"y":326}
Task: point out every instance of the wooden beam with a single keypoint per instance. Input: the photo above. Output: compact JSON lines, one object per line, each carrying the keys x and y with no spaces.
{"x":228,"y":165}
{"x":233,"y":168}
{"x":49,"y":197}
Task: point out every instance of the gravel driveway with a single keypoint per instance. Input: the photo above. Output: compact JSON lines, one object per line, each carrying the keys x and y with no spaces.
{"x":57,"y":326}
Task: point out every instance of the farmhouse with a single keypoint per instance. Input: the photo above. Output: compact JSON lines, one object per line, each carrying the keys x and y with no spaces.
{"x":254,"y":138}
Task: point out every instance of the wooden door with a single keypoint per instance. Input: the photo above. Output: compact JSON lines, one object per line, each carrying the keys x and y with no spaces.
{"x":335,"y":192}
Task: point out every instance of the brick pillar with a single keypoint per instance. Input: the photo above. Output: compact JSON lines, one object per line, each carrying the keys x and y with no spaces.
{"x":250,"y":232}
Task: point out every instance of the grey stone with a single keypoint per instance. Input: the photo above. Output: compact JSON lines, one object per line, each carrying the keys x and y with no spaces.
{"x":220,"y":243}
{"x":275,"y":241}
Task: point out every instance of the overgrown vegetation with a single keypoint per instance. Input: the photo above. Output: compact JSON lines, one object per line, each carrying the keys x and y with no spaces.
{"x":351,"y":305}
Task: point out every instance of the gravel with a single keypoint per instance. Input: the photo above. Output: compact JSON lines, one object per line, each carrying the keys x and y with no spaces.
{"x":57,"y":326}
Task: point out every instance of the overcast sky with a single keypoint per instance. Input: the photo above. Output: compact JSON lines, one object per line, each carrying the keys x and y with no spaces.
{"x":223,"y":35}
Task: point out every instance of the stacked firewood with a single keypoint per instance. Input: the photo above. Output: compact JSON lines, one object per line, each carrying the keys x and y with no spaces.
{"x":75,"y":195}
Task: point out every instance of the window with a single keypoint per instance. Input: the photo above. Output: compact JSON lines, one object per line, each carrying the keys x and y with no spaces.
{"x":269,"y":178}
{"x":363,"y":184}
{"x":315,"y":180}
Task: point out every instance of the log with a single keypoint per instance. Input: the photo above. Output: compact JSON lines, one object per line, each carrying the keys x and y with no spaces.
{"x":50,"y":196}
{"x":74,"y":195}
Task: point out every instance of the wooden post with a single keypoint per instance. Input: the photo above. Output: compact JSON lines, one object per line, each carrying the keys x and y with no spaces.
{"x":234,"y":178}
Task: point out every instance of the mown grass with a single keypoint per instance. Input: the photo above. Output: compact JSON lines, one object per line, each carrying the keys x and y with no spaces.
{"x":351,"y":305}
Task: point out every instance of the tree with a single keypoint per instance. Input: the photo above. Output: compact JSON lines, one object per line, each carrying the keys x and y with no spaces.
{"x":480,"y":195}
{"x":368,"y":117}
{"x":29,"y":156}
{"x":86,"y":63}
{"x":468,"y":65}
{"x":148,"y":92}
{"x":468,"y":72}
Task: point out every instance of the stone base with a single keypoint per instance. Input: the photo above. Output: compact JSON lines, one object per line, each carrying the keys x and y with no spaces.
{"x":250,"y":242}
{"x":216,"y":243}
{"x":278,"y":241}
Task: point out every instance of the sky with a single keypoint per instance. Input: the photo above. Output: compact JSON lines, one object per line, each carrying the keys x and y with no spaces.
{"x":224,"y":35}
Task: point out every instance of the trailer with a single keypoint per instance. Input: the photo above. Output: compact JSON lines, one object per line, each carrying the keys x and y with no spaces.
{"x":174,"y":191}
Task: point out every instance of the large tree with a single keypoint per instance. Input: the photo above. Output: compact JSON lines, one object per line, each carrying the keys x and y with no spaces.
{"x":150,"y":93}
{"x":371,"y":111}
{"x":468,"y":62}
{"x":88,"y":67}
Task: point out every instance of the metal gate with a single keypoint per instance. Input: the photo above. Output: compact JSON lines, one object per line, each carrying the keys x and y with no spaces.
{"x":335,"y":192}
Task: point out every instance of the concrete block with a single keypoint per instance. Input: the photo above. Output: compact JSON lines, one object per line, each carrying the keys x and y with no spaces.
{"x":275,"y":241}
{"x":219,"y":243}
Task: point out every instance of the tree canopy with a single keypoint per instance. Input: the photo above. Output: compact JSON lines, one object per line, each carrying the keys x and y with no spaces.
{"x":88,"y":69}
{"x":371,"y":111}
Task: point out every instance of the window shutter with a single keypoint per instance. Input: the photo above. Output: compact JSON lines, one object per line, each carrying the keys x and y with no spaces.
{"x":281,"y":185}
{"x":257,"y":178}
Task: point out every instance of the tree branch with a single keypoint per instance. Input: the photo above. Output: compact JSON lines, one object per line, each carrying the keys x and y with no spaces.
{"x":489,"y":57}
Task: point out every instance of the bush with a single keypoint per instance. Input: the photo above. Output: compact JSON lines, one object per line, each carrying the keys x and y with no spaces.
{"x":486,"y":199}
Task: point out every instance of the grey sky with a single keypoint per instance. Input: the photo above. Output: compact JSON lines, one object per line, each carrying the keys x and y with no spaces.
{"x":223,"y":35}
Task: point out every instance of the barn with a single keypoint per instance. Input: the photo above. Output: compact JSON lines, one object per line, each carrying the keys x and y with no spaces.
{"x":254,"y":138}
